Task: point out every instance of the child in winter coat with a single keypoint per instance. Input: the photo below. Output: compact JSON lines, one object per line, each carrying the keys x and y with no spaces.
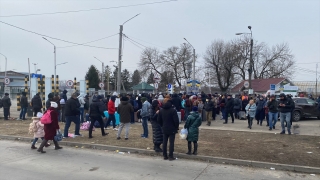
{"x":37,"y":128}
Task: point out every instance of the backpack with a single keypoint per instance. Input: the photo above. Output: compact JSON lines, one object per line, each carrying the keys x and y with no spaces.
{"x":46,"y":118}
{"x":135,"y":104}
{"x":32,"y":128}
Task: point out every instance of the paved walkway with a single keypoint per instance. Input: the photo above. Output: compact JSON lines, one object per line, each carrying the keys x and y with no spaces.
{"x":309,"y":127}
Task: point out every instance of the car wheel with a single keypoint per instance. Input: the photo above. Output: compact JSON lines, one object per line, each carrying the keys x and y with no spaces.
{"x":296,"y":116}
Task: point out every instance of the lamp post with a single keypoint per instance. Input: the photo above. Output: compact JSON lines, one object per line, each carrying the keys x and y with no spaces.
{"x":120,"y":55}
{"x":108,"y":78}
{"x":102,"y":71}
{"x":193,"y":64}
{"x":5,"y":71}
{"x":251,"y":60}
{"x":55,"y":66}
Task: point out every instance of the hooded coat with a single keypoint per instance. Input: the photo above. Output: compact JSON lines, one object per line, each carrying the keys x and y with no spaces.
{"x":24,"y":100}
{"x":125,"y":109}
{"x":156,"y":128}
{"x":36,"y":102}
{"x":168,"y":119}
{"x":97,"y":108}
{"x":81,"y":100}
{"x":64,"y":95}
{"x":39,"y":126}
{"x":192,"y":125}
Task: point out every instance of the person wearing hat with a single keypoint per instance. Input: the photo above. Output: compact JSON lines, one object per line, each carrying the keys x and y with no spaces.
{"x":24,"y":106}
{"x":50,"y":130}
{"x":50,"y":98}
{"x":192,"y":125}
{"x":273,"y":112}
{"x":37,"y":128}
{"x":125,"y":109}
{"x":36,"y":104}
{"x":285,"y":106}
{"x":72,"y":113}
{"x":229,"y":108}
{"x":6,"y":102}
{"x":96,"y":113}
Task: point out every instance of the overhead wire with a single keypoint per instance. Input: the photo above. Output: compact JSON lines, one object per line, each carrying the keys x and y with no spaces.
{"x":86,"y":10}
{"x":53,"y":37}
{"x":90,"y":41}
{"x":134,"y":41}
{"x":146,"y":42}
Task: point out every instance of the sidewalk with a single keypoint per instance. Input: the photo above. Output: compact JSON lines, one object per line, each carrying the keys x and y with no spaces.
{"x":310,"y":127}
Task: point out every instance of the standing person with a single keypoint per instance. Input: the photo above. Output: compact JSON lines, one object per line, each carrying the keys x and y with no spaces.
{"x":86,"y":106}
{"x":285,"y":107}
{"x":237,"y":106}
{"x":176,"y":102}
{"x":145,"y":114}
{"x":188,"y":107}
{"x":24,"y":106}
{"x":97,"y":108}
{"x":209,"y":108}
{"x":223,"y":108}
{"x":48,"y":102}
{"x":71,"y":113}
{"x":192,"y":125}
{"x":36,"y":104}
{"x":229,"y":109}
{"x":134,"y":105}
{"x":111,"y":112}
{"x":138,"y":99}
{"x":125,"y":109}
{"x":156,"y":128}
{"x":64,"y":95}
{"x":245,"y":102}
{"x":50,"y":130}
{"x":82,"y":103}
{"x":169,"y":121}
{"x":260,"y":113}
{"x":250,"y":112}
{"x":62,"y":106}
{"x":215,"y":106}
{"x":273,"y":112}
{"x":56,"y":99}
{"x":6,"y":102}
{"x":37,"y":128}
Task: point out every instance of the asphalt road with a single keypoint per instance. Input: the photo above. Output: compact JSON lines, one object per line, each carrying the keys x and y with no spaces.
{"x":19,"y":162}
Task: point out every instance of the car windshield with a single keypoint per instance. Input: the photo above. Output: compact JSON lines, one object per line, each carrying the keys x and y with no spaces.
{"x":310,"y":101}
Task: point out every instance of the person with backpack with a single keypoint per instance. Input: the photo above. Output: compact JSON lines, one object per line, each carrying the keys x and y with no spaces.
{"x":6,"y":102}
{"x":237,"y":106}
{"x":96,"y":113}
{"x":24,"y":106}
{"x":37,"y":128}
{"x":192,"y":125}
{"x":125,"y":109}
{"x":145,"y":114}
{"x":50,"y":130}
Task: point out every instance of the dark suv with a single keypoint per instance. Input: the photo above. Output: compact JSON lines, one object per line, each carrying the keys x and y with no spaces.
{"x":305,"y":107}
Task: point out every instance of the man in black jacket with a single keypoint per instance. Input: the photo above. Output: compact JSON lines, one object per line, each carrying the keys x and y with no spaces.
{"x":176,"y":102}
{"x":6,"y":102}
{"x":24,"y":106}
{"x":273,"y":112}
{"x":209,"y":108}
{"x":168,"y":119}
{"x":97,"y":109}
{"x":36,"y":104}
{"x":71,"y":112}
{"x":285,"y":106}
{"x":229,"y":108}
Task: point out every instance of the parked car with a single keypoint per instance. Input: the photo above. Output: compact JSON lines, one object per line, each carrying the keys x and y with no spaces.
{"x":304,"y":108}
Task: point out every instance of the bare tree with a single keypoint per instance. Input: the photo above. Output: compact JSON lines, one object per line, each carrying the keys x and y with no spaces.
{"x":150,"y":60}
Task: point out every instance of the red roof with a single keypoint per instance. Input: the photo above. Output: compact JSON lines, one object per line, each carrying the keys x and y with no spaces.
{"x":259,"y":85}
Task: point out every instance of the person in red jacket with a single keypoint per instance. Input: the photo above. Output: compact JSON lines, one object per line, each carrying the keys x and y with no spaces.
{"x":111,"y":111}
{"x":50,"y":130}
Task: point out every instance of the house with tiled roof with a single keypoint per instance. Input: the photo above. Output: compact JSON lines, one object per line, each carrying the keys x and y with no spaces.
{"x":261,"y":86}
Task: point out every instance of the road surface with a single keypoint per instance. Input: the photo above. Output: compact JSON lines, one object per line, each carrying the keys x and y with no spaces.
{"x":19,"y":162}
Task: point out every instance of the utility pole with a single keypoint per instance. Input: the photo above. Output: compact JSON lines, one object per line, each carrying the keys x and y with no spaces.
{"x":194,"y":65}
{"x":251,"y":64}
{"x":119,"y":61}
{"x":108,"y":74}
{"x":317,"y":80}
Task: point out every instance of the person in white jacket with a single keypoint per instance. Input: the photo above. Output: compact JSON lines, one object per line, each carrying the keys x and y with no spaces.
{"x":82,"y":103}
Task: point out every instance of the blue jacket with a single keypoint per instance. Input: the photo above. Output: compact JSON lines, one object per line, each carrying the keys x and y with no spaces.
{"x":251,"y":110}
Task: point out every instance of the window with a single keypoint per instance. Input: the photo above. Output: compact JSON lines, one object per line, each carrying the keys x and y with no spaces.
{"x":301,"y":101}
{"x":310,"y":101}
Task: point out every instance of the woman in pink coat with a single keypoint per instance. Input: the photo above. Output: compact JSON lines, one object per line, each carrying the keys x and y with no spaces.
{"x":50,"y":130}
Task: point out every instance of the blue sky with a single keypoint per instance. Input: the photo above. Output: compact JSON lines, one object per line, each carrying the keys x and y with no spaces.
{"x":296,"y":22}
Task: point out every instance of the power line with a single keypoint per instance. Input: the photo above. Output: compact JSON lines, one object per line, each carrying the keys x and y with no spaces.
{"x":90,"y":41}
{"x":134,"y":41}
{"x":85,"y":10}
{"x":309,"y":63}
{"x":53,"y":37}
{"x":146,"y":42}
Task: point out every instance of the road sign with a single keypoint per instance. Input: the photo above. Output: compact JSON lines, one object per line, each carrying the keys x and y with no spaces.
{"x":69,"y":83}
{"x":155,"y":85}
{"x":272,"y":87}
{"x":6,"y":81}
{"x":169,"y":86}
{"x":246,"y":84}
{"x":101,"y":85}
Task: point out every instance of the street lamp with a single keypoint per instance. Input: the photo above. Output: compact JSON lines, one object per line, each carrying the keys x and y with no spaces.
{"x":55,"y":66}
{"x":120,"y":54}
{"x":251,"y":60}
{"x":102,"y":71}
{"x":193,"y":64}
{"x":5,"y":71}
{"x":62,"y":63}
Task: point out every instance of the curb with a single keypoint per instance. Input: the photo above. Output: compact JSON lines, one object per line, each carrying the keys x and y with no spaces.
{"x":211,"y":159}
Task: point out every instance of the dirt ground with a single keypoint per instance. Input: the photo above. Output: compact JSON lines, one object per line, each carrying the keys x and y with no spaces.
{"x":275,"y":148}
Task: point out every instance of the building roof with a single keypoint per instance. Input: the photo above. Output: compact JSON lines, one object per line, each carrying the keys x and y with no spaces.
{"x":260,"y":85}
{"x":143,"y":86}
